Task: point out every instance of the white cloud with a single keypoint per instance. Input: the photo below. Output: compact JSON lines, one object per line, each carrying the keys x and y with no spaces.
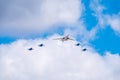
{"x":114,"y":22}
{"x":55,"y":61}
{"x":98,"y":12}
{"x":105,"y":19}
{"x":28,"y":16}
{"x":25,"y":18}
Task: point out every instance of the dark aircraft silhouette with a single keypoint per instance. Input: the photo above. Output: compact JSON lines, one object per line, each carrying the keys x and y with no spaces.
{"x":78,"y":44}
{"x":41,"y":45}
{"x":84,"y":49}
{"x":30,"y":49}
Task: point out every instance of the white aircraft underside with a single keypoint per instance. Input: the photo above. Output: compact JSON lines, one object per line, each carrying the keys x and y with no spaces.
{"x":64,"y":38}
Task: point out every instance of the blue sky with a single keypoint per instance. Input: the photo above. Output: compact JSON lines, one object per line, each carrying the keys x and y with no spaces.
{"x":106,"y":39}
{"x":25,"y":24}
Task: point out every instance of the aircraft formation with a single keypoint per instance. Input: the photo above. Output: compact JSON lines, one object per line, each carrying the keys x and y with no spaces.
{"x":65,"y":38}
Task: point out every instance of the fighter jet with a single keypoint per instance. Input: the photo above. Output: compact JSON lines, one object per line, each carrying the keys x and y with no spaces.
{"x":78,"y":44}
{"x":41,"y":45}
{"x":30,"y":49}
{"x":65,"y":38}
{"x":84,"y":49}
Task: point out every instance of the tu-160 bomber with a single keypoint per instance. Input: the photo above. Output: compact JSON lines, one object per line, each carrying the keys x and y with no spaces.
{"x":65,"y":38}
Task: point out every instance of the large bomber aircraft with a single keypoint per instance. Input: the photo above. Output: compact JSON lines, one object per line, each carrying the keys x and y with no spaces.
{"x":65,"y":38}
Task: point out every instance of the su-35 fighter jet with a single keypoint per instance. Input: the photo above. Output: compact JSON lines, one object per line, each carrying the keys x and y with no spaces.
{"x":65,"y":38}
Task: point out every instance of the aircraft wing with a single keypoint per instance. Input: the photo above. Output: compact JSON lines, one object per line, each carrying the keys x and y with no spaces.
{"x":57,"y":39}
{"x":71,"y":39}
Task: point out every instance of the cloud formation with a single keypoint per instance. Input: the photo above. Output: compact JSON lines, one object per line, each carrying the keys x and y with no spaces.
{"x":114,"y":22}
{"x":55,"y":61}
{"x":104,"y":20}
{"x":27,"y":16}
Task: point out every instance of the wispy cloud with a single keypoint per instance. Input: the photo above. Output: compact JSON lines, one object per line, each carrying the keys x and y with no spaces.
{"x":104,"y":20}
{"x":114,"y":22}
{"x":55,"y":61}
